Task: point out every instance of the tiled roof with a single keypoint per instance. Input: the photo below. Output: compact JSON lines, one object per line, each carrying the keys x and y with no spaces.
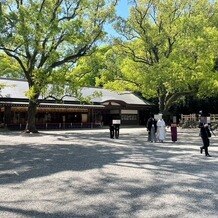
{"x":16,"y":89}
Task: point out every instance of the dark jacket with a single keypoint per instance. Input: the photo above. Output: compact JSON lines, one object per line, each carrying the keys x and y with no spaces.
{"x":204,"y":130}
{"x":151,"y":121}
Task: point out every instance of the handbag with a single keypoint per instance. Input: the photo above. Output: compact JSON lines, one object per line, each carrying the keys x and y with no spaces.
{"x":208,"y":133}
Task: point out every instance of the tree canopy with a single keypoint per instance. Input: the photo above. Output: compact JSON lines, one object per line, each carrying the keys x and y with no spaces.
{"x":167,"y":49}
{"x":46,"y":38}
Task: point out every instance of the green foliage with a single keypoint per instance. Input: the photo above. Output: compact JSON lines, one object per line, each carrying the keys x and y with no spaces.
{"x":190,"y":124}
{"x":47,"y":38}
{"x":168,"y":50}
{"x":88,"y":68}
{"x":9,"y":68}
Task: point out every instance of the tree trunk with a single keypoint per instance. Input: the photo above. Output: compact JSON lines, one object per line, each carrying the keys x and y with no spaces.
{"x":31,"y":121}
{"x":161,"y":103}
{"x":161,"y":98}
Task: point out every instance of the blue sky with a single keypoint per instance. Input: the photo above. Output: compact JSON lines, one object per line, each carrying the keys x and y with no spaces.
{"x":122,"y":10}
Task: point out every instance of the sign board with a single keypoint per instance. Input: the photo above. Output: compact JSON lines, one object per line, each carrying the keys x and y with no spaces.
{"x":84,"y":118}
{"x":129,"y":112}
{"x":116,"y":122}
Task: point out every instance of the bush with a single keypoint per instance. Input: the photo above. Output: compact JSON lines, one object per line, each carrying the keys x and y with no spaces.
{"x":194,"y":124}
{"x":190,"y":124}
{"x":214,"y":125}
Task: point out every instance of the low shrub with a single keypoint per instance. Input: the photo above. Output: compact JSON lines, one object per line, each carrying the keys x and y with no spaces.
{"x":190,"y":124}
{"x":194,"y":124}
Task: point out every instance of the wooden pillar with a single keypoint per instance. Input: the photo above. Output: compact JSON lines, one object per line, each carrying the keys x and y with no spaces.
{"x":7,"y":115}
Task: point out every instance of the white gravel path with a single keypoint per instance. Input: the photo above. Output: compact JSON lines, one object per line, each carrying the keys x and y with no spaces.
{"x":87,"y":174}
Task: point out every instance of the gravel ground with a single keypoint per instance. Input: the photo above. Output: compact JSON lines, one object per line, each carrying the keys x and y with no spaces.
{"x":87,"y":174}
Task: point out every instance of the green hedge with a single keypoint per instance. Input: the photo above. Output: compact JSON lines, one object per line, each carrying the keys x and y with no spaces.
{"x":194,"y":124}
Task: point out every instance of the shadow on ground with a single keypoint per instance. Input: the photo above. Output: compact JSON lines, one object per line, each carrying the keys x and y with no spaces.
{"x":178,"y":160}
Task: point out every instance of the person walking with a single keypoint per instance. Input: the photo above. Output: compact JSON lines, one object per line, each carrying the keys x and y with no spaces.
{"x":161,"y":131}
{"x":205,"y":135}
{"x":152,"y":128}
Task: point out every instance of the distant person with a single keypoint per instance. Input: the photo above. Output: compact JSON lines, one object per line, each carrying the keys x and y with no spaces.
{"x":111,"y":131}
{"x":205,"y":135}
{"x":152,"y":128}
{"x":116,"y":123}
{"x":161,"y":130}
{"x":117,"y":130}
{"x":173,"y":130}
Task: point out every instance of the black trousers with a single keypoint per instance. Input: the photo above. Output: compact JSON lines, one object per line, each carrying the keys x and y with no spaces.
{"x":206,"y":144}
{"x":117,"y":131}
{"x":111,"y":132}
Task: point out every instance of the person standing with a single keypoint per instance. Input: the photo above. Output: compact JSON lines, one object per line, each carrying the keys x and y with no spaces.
{"x":173,"y":129}
{"x":161,"y":130}
{"x":111,"y":128}
{"x":111,"y":131}
{"x":152,"y":128}
{"x":117,"y":130}
{"x":205,"y":135}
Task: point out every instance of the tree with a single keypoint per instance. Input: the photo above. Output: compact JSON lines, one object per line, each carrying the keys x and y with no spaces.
{"x":8,"y":68}
{"x":47,"y":38}
{"x":167,"y":50}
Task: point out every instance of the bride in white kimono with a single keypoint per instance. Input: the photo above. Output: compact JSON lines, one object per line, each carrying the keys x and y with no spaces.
{"x":161,"y":130}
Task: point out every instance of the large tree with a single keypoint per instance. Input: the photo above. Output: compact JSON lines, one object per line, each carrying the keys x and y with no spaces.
{"x":167,"y":50}
{"x":47,"y":37}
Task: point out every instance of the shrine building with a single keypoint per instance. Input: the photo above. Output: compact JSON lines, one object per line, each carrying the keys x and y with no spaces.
{"x":70,"y":113}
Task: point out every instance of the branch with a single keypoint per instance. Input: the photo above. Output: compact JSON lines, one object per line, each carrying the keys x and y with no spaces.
{"x":134,"y":56}
{"x":57,"y":4}
{"x":70,"y":58}
{"x":175,"y":96}
{"x":56,"y":99}
{"x":155,"y":51}
{"x":128,"y":81}
{"x":2,"y":47}
{"x":19,"y":2}
{"x":41,"y":7}
{"x":73,"y":14}
{"x":142,"y":17}
{"x":18,"y":60}
{"x":54,"y":45}
{"x":80,"y":53}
